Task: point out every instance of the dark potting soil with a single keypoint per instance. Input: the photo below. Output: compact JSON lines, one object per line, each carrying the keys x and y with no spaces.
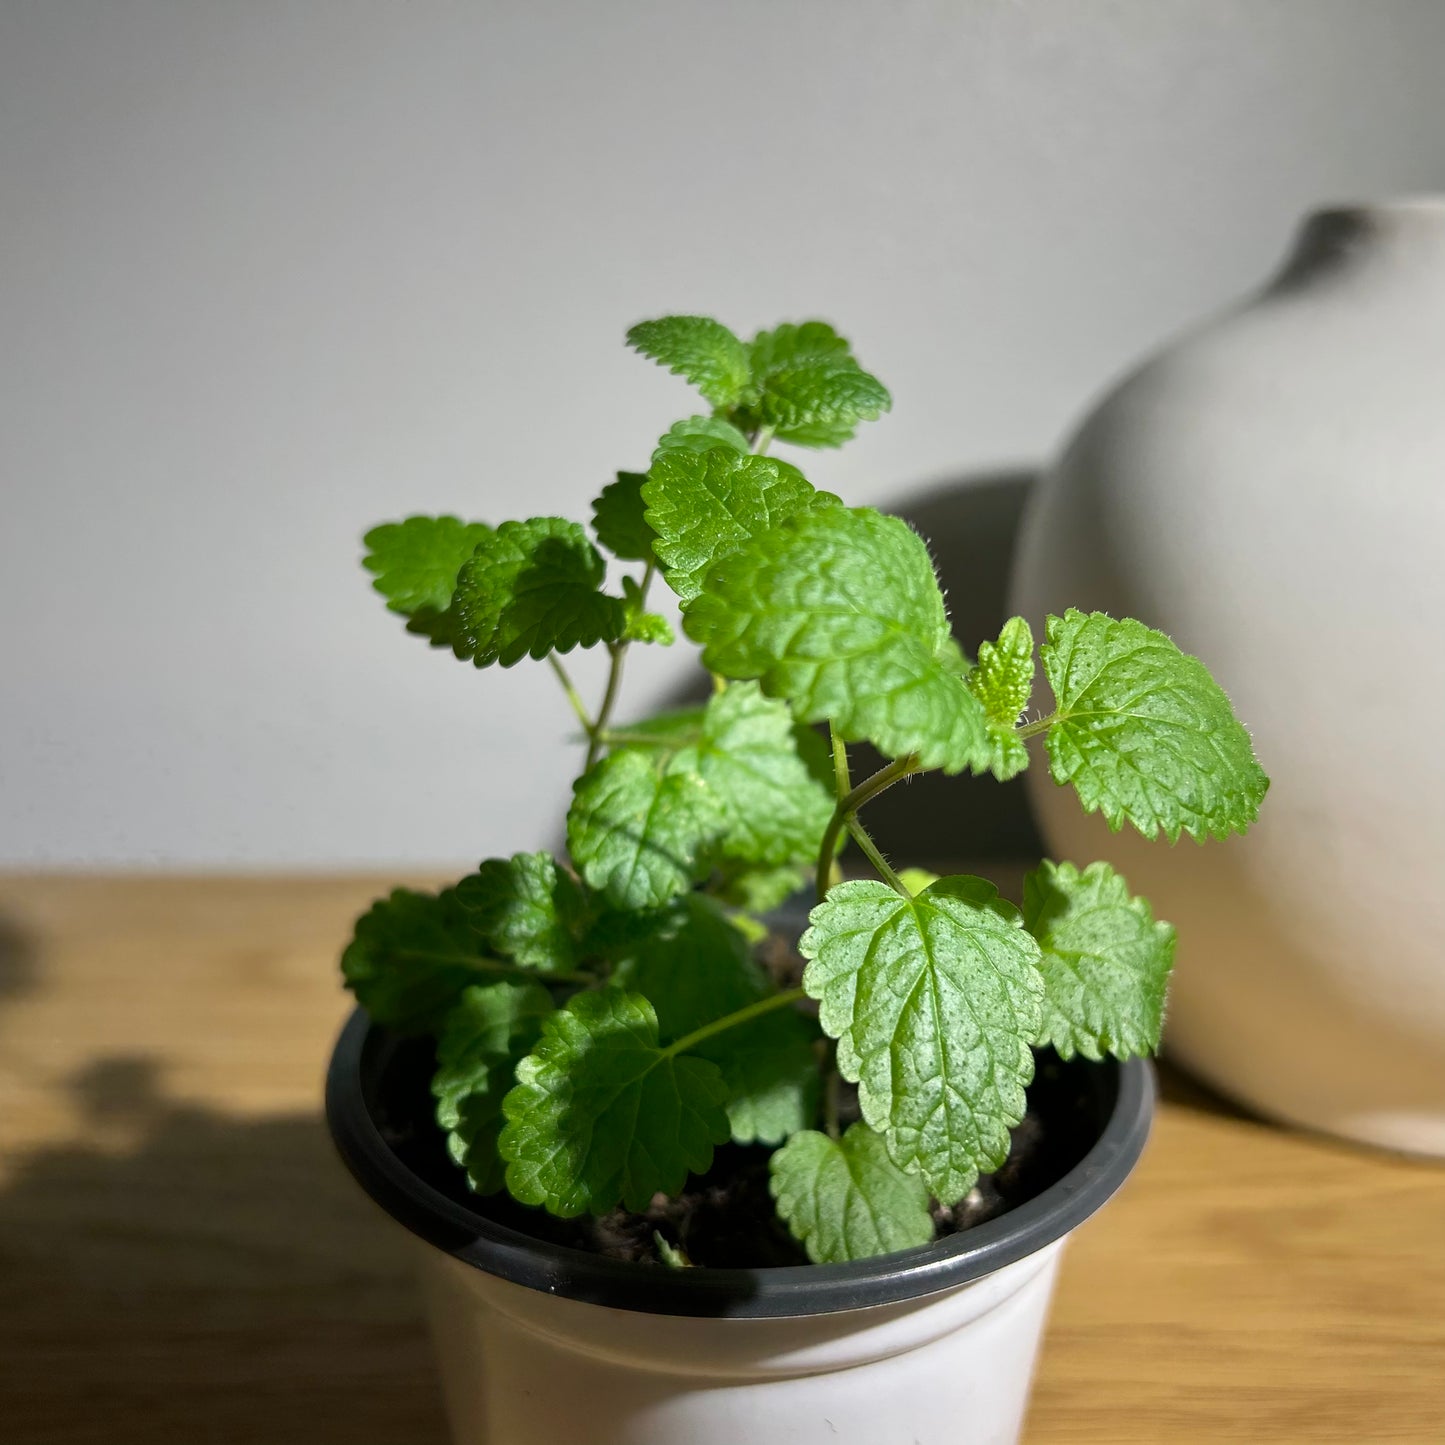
{"x":725,"y":1218}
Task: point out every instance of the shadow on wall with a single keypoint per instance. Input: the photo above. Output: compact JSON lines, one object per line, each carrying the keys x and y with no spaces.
{"x":194,"y":1277}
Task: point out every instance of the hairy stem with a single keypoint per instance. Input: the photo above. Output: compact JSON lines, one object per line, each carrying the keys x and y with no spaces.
{"x":618,"y":651}
{"x":573,"y":696}
{"x":874,"y":855}
{"x":840,"y":761}
{"x":849,"y":804}
{"x":732,"y":1020}
{"x":1039,"y":725}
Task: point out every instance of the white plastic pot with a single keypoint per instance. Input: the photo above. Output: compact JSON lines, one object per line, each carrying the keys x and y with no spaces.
{"x":541,"y":1344}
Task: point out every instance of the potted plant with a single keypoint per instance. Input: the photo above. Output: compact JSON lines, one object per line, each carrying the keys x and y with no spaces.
{"x":682,"y":1175}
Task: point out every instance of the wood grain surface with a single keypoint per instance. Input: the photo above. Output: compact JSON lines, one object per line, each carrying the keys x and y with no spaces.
{"x":182,"y":1259}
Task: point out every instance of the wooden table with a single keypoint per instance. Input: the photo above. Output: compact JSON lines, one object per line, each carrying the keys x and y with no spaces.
{"x":183,"y":1260}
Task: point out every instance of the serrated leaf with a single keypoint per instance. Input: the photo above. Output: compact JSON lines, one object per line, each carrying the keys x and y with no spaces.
{"x":1144,"y":733}
{"x":767,"y":771}
{"x":410,"y":956}
{"x":934,"y":1001}
{"x":810,"y":389}
{"x":601,"y":1114}
{"x":1003,"y":680}
{"x":416,"y":564}
{"x":618,"y":521}
{"x":846,"y":1199}
{"x":702,"y":434}
{"x":696,"y":968}
{"x":486,"y":1032}
{"x":1106,"y":961}
{"x":640,"y":825}
{"x":700,"y":349}
{"x":527,"y":909}
{"x":706,"y":505}
{"x":530,"y":589}
{"x":641,"y":625}
{"x":838,"y":611}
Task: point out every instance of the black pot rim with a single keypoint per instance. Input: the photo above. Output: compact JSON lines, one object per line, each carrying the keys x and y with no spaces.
{"x":768,"y":1293}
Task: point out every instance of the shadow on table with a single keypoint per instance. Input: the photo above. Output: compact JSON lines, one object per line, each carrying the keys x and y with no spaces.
{"x":192,"y":1277}
{"x":1182,"y":1090}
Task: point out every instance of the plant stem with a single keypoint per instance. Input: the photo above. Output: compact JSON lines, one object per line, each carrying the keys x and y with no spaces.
{"x":840,"y":762}
{"x":618,"y":651}
{"x":573,"y":696}
{"x":495,"y":965}
{"x":871,"y":852}
{"x":732,"y":1020}
{"x":1039,"y":725}
{"x":762,"y":438}
{"x":849,"y":804}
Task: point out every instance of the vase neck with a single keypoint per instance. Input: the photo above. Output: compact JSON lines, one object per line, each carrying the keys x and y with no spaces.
{"x":1369,"y":244}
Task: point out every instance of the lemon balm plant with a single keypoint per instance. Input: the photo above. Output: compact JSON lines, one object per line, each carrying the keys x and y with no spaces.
{"x":602,"y":1024}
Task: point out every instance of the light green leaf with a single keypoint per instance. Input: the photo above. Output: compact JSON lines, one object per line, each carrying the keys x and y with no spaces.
{"x":702,"y":434}
{"x":487,"y":1031}
{"x":915,"y":880}
{"x":1003,"y":681}
{"x":416,"y":562}
{"x":934,"y":1001}
{"x":640,"y":825}
{"x":527,"y":909}
{"x":700,"y":349}
{"x":768,"y":772}
{"x":531,"y":589}
{"x":601,"y":1114}
{"x":706,"y":505}
{"x":810,"y":389}
{"x":696,"y":968}
{"x":846,"y":1199}
{"x":1106,"y":961}
{"x":758,"y":890}
{"x":641,"y":625}
{"x":618,"y":521}
{"x":410,"y":956}
{"x":839,"y":612}
{"x":1144,"y":733}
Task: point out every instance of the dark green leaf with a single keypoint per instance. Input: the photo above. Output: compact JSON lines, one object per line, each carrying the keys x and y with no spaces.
{"x":618,"y":521}
{"x":527,"y":908}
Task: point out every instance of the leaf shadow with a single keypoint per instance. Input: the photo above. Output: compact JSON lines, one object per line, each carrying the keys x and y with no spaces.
{"x":184,"y":1275}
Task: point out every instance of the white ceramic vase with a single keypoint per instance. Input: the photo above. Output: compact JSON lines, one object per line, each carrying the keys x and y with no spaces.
{"x":1270,"y":491}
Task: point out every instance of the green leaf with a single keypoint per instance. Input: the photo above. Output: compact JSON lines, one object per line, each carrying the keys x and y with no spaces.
{"x":531,"y":589}
{"x":811,"y":391}
{"x":700,"y":349}
{"x":1003,"y":682}
{"x":641,"y":625}
{"x":934,"y":1001}
{"x":416,"y":562}
{"x":639,"y":826}
{"x":1144,"y":733}
{"x":696,"y":968}
{"x":758,"y":890}
{"x":527,"y":909}
{"x":618,"y":521}
{"x":839,"y":611}
{"x":767,"y":771}
{"x":601,"y":1114}
{"x":487,"y":1031}
{"x":1106,"y":961}
{"x":410,"y":956}
{"x":706,"y":505}
{"x":701,"y":434}
{"x":915,"y":880}
{"x":846,"y":1199}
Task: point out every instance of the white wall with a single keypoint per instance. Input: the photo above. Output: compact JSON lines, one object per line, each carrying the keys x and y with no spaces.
{"x":271,"y":272}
